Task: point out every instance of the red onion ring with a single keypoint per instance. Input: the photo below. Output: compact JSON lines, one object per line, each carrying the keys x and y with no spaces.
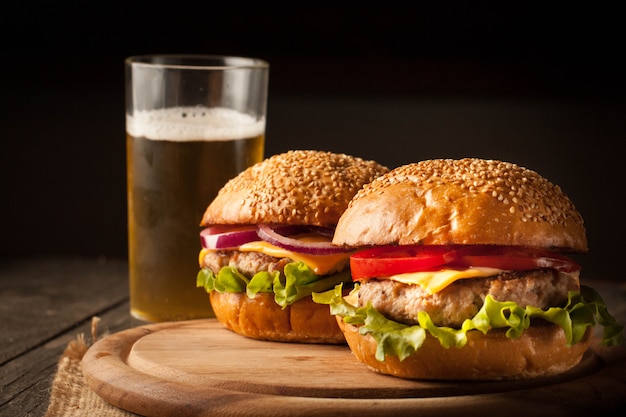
{"x":219,"y":237}
{"x":274,"y":235}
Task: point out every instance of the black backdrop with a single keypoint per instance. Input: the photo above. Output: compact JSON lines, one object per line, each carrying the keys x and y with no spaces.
{"x":539,"y":86}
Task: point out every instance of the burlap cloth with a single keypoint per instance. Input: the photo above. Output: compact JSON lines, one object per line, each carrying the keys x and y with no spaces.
{"x":70,"y":396}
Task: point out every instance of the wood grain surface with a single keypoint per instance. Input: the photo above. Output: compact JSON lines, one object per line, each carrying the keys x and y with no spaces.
{"x":198,"y":368}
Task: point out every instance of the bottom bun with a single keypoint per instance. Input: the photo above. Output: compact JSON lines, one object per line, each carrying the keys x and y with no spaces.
{"x":540,"y":351}
{"x":261,"y":318}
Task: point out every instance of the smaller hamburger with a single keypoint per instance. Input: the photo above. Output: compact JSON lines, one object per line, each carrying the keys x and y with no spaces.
{"x":267,"y":245}
{"x":465,"y":273}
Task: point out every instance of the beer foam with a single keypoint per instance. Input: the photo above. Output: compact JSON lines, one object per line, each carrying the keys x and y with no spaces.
{"x":193,"y":123}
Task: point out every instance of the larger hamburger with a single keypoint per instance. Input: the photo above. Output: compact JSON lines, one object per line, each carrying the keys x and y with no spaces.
{"x":465,"y":272}
{"x":267,"y":244}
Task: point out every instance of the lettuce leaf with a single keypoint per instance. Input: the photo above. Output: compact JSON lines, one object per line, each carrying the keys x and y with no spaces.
{"x":299,"y":281}
{"x":583,"y":309}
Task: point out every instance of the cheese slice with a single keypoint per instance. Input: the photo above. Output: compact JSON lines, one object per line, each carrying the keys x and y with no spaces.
{"x":435,"y":281}
{"x":320,"y":264}
{"x":201,"y":256}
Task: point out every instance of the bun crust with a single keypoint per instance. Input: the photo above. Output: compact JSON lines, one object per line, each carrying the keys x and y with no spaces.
{"x":466,"y":201}
{"x":261,"y":318}
{"x":540,"y":352}
{"x":296,"y":187}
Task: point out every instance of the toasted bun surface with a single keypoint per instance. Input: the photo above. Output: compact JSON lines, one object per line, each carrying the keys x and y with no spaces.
{"x":540,"y":351}
{"x":466,"y":201}
{"x":261,"y":318}
{"x":296,"y":187}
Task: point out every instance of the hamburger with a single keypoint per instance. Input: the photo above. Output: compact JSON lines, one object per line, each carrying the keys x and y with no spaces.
{"x":266,"y":244}
{"x":465,"y":271}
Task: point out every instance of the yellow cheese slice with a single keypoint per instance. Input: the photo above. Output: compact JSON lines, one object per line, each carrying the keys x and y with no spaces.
{"x":201,"y":256}
{"x":435,"y":281}
{"x":320,"y":264}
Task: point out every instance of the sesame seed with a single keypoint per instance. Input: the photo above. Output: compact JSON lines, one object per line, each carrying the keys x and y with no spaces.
{"x":506,"y":182}
{"x":296,"y":187}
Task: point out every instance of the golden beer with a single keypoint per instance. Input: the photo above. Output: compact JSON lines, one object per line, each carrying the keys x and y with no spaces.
{"x":174,"y":170}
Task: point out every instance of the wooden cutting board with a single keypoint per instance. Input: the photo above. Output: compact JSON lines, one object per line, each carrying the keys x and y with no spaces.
{"x":199,"y":368}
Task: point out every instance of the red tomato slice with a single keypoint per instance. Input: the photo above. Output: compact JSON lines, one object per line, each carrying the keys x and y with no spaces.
{"x":390,"y":260}
{"x":513,"y":258}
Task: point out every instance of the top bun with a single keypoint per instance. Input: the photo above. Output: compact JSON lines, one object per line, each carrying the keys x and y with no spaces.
{"x":297,"y":187}
{"x":466,"y":201}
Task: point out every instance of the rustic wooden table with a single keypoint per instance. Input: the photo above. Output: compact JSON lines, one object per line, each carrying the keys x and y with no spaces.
{"x":46,"y":302}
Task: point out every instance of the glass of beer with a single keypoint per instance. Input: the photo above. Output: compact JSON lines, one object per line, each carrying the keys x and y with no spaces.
{"x":192,"y":123}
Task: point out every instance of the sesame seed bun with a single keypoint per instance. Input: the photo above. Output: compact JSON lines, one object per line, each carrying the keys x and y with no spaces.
{"x":261,"y":318}
{"x":466,"y":201}
{"x":301,"y":187}
{"x":541,"y":351}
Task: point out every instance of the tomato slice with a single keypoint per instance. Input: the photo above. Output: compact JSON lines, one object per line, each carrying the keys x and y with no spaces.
{"x":385,"y":261}
{"x":513,"y":258}
{"x":390,"y":260}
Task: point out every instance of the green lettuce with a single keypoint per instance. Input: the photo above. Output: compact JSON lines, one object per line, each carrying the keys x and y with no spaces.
{"x":584,"y":309}
{"x":299,"y":281}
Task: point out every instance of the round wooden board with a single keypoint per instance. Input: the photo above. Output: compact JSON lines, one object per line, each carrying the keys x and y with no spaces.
{"x":199,"y":368}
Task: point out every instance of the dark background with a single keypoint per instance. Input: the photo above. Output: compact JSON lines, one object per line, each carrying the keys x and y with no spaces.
{"x":539,"y":86}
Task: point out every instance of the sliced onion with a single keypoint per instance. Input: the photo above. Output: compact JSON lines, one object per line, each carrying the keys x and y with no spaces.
{"x":219,"y":237}
{"x":276,"y":236}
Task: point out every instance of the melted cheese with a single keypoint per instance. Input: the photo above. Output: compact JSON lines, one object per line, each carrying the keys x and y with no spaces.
{"x":431,"y":281}
{"x":435,"y":281}
{"x":320,"y":264}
